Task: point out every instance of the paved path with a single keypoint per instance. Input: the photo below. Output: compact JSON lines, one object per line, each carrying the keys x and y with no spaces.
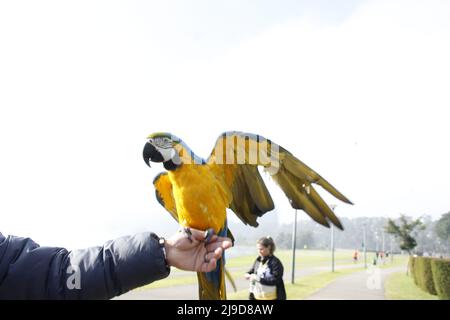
{"x":365,"y":285}
{"x":190,"y":292}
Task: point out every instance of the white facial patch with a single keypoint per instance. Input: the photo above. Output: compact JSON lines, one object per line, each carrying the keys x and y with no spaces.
{"x":166,"y":153}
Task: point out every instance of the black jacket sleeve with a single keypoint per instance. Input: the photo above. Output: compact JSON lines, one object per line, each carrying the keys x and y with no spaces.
{"x":28,"y":271}
{"x":276,"y":273}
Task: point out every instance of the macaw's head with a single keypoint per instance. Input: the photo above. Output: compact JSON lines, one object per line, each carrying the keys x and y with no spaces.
{"x":160,"y":147}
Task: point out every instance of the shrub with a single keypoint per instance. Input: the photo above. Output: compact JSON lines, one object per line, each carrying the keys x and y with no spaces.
{"x":422,"y":267}
{"x":411,"y":269}
{"x":418,"y":267}
{"x":441,"y":275}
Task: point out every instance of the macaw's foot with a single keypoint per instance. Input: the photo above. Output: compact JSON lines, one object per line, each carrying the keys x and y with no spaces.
{"x":208,"y":235}
{"x":188,"y":232}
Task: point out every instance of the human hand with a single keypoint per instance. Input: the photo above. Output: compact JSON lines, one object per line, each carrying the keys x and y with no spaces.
{"x":247,"y":276}
{"x":193,"y":253}
{"x":254,"y":277}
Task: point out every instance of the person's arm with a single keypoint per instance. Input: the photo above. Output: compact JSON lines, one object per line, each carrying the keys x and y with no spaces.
{"x":276,"y":274}
{"x":28,"y":271}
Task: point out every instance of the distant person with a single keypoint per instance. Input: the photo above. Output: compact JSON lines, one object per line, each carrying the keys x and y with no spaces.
{"x":355,"y":256}
{"x":266,"y":275}
{"x":29,"y":271}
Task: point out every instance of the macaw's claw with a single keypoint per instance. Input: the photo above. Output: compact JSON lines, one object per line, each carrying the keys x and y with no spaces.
{"x":188,"y":232}
{"x":208,"y":235}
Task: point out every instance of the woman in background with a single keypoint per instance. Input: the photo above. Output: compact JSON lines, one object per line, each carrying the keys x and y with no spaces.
{"x":266,"y":275}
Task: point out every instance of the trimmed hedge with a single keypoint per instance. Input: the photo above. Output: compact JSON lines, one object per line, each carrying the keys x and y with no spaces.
{"x":424,"y":274}
{"x":441,"y":275}
{"x":412,"y":272}
{"x":431,"y":275}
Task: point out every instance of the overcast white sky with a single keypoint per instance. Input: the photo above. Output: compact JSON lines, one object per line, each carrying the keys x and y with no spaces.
{"x":359,"y":90}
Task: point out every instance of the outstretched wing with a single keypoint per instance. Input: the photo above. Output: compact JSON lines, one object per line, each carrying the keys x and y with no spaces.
{"x":239,"y":154}
{"x":164,"y":193}
{"x":251,"y":199}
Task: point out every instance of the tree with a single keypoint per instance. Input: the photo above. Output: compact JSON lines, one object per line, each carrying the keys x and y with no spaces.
{"x":306,"y":239}
{"x":283,"y":240}
{"x":404,"y":231}
{"x":442,"y":227}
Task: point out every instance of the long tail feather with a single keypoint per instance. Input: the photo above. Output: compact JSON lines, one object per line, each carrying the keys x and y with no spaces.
{"x":211,"y":285}
{"x":230,"y":278}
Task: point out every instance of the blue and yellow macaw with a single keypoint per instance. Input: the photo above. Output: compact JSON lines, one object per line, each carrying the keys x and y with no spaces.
{"x":197,"y":192}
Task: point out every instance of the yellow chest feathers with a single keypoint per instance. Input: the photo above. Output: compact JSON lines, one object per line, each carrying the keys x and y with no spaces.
{"x":201,"y":196}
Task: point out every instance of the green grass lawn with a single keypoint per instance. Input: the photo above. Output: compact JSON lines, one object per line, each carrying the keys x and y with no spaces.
{"x":304,"y":286}
{"x":399,"y":286}
{"x":240,"y":265}
{"x":397,"y":261}
{"x":304,"y":259}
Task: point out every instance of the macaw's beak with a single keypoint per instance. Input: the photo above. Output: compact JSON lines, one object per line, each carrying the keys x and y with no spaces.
{"x":150,"y":153}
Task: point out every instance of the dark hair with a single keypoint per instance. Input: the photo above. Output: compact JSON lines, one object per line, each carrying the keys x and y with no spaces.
{"x":268,"y":243}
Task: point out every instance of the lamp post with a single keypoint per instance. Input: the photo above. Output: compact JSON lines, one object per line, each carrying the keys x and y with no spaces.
{"x":364,"y":245}
{"x":332,"y":206}
{"x":294,"y":238}
{"x":391,"y":252}
{"x":377,"y":248}
{"x":376,"y":241}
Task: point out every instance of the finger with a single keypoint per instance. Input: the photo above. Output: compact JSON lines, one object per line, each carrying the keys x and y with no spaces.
{"x":213,"y":238}
{"x":198,"y":234}
{"x":225,"y":240}
{"x":209,"y":235}
{"x":209,"y":266}
{"x":213,"y":255}
{"x":217,"y":253}
{"x":225,"y":244}
{"x":210,"y":260}
{"x":187,"y":233}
